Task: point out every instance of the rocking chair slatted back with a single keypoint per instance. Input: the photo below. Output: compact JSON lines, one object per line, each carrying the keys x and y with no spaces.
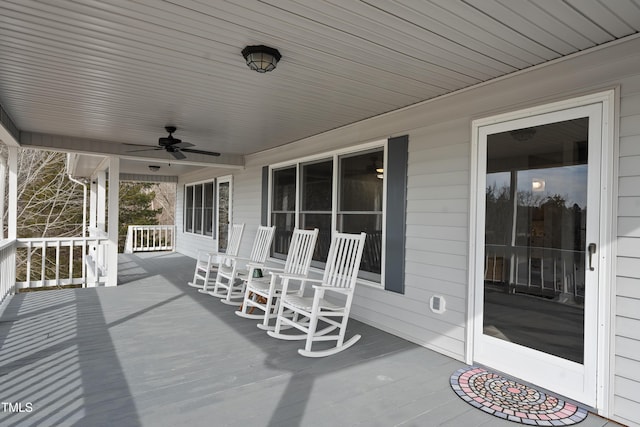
{"x":235,"y":236}
{"x":343,"y":261}
{"x":262,"y":244}
{"x":303,"y":243}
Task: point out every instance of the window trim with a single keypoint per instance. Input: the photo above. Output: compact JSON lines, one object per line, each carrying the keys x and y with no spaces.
{"x":184,"y":209}
{"x":334,"y":155}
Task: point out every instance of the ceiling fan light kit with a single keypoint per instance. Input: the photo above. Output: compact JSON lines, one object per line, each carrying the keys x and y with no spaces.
{"x":261,"y":58}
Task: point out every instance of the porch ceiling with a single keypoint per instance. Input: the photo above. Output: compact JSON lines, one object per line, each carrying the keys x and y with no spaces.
{"x":115,"y":72}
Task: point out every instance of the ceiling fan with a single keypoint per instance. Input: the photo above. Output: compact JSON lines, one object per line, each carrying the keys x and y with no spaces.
{"x":176,"y":147}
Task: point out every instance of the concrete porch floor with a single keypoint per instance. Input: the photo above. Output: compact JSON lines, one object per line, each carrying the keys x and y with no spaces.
{"x":155,"y":352}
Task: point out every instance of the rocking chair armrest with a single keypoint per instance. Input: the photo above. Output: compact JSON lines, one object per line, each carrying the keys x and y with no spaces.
{"x":235,"y":257}
{"x":332,"y":289}
{"x":255,"y":265}
{"x":286,"y":277}
{"x":291,"y":276}
{"x":203,"y":255}
{"x":314,"y":280}
{"x":207,"y":253}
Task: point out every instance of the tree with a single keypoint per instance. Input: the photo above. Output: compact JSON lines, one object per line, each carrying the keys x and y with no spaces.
{"x":49,"y":203}
{"x":166,"y":200}
{"x":135,"y":208}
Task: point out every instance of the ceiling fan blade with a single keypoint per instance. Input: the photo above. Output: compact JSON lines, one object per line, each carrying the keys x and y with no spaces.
{"x":207,"y":153}
{"x":177,"y":155}
{"x":145,"y":149}
{"x":182,"y":145}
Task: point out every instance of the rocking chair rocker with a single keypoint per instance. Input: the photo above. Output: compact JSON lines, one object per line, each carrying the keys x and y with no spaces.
{"x":340,"y":275}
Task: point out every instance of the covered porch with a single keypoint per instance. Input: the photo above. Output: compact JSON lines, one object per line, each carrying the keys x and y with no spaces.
{"x":154,"y":352}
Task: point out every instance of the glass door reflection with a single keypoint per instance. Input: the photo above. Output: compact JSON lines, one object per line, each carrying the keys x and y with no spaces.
{"x":535,"y":231}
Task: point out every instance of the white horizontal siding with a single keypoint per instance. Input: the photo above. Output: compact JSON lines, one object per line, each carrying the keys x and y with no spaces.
{"x":627,"y":366}
{"x":630,"y":125}
{"x":628,"y":267}
{"x":392,"y":314}
{"x":628,"y":326}
{"x":626,"y":387}
{"x":628,"y":348}
{"x":628,"y":287}
{"x":628,"y":227}
{"x":629,"y":186}
{"x":247,"y":190}
{"x":438,"y":205}
{"x":628,"y":247}
{"x":440,"y":246}
{"x":630,"y":146}
{"x":627,"y":411}
{"x":628,"y":206}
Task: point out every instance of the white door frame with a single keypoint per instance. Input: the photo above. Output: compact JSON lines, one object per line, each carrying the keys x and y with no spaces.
{"x":606,"y":230}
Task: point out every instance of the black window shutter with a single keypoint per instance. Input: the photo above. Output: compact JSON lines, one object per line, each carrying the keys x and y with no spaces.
{"x":396,"y":175}
{"x":264,"y":208}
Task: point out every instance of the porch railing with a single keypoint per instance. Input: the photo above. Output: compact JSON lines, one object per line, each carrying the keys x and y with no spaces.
{"x":147,"y":238}
{"x":59,"y":261}
{"x":7,"y":267}
{"x":536,"y":270}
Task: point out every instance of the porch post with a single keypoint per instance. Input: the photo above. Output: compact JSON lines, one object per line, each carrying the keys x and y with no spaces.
{"x":112,"y":250}
{"x":3,"y":189}
{"x":101,"y":206}
{"x":12,"y":217}
{"x":93,"y":199}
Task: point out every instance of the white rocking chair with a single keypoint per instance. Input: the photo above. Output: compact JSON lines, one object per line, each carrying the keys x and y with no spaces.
{"x":340,"y":275}
{"x":207,"y":262}
{"x":230,"y":279}
{"x":264,"y":293}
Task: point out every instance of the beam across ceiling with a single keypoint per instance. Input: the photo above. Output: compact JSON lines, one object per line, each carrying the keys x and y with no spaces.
{"x":112,"y":148}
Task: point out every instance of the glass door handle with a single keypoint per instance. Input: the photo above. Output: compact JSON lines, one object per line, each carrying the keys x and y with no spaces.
{"x":592,"y":250}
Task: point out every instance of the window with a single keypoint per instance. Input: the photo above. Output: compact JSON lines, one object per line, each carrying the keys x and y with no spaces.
{"x":199,"y":208}
{"x":207,"y":208}
{"x":343,"y":192}
{"x":188,"y":208}
{"x":361,"y":199}
{"x":283,"y":209}
{"x":317,"y":200}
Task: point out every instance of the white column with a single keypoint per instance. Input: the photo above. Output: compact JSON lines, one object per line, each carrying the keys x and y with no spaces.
{"x":3,"y":189}
{"x":93,"y":200}
{"x":101,"y":206}
{"x":112,"y":228}
{"x":12,"y":218}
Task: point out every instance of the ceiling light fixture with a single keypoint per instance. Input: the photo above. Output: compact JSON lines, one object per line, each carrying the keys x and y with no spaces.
{"x":154,"y":168}
{"x":261,"y":58}
{"x":537,"y":184}
{"x":523,"y":135}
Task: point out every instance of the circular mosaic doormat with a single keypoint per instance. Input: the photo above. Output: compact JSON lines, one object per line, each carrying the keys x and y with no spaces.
{"x":513,"y":401}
